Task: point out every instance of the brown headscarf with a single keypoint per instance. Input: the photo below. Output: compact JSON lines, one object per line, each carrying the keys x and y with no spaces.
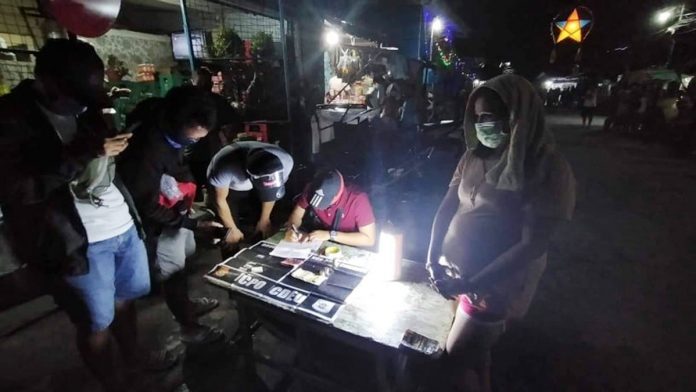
{"x":530,"y":145}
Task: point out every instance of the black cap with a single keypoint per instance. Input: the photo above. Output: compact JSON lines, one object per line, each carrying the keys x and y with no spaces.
{"x":76,"y":68}
{"x":266,"y":174}
{"x":325,"y":188}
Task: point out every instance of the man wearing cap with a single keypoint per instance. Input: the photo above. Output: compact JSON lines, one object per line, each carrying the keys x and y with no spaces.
{"x":330,"y":209}
{"x":240,"y":168}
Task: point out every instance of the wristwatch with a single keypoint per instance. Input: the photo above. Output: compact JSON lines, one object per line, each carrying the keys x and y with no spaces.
{"x":332,"y":235}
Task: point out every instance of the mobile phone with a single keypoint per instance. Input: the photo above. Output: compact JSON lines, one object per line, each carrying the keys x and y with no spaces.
{"x":417,"y":342}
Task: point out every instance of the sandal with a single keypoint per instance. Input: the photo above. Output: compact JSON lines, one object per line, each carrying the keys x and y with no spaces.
{"x":204,"y":305}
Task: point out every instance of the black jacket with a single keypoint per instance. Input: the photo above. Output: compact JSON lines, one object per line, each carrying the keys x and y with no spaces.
{"x":141,"y":166}
{"x":43,"y":225}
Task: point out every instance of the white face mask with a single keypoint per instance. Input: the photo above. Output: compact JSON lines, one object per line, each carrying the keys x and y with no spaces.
{"x":491,"y":134}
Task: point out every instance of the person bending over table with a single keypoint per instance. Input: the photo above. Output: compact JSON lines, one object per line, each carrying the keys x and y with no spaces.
{"x":242,"y":167}
{"x":491,"y":233}
{"x":330,"y":209}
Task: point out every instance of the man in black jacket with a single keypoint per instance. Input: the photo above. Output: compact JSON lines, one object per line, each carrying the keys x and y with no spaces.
{"x":163,"y":189}
{"x":68,"y":216}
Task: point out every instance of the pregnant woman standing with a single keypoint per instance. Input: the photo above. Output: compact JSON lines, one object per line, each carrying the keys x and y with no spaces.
{"x":508,"y":194}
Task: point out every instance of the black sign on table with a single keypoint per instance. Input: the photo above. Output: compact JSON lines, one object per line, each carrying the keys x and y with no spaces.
{"x":255,"y":272}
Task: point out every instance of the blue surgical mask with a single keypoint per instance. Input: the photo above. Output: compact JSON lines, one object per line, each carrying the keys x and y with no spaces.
{"x":491,"y":134}
{"x":179,"y":144}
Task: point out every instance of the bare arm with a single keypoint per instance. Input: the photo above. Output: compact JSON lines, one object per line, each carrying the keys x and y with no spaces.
{"x":294,"y":220}
{"x":296,"y":216}
{"x":223,"y":209}
{"x":266,"y":209}
{"x":363,"y":238}
{"x":264,"y":226}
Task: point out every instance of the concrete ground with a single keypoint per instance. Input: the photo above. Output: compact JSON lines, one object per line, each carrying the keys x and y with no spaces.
{"x":613,"y":311}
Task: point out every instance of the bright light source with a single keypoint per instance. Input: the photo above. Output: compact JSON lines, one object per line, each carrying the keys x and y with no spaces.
{"x":331,"y":37}
{"x":390,"y":253}
{"x":548,"y":84}
{"x":437,"y":25}
{"x":664,"y":16}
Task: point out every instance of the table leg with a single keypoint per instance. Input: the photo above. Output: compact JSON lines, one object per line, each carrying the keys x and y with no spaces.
{"x":304,"y":353}
{"x":245,"y":340}
{"x":405,"y":382}
{"x":382,"y":363}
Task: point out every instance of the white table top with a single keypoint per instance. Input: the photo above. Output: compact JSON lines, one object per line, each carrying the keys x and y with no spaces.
{"x":383,"y":310}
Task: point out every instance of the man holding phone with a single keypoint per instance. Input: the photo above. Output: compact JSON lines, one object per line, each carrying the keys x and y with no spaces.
{"x":67,"y":214}
{"x":163,"y":189}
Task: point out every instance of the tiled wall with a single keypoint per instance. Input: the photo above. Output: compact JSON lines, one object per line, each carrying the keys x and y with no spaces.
{"x":18,"y":29}
{"x":135,"y":48}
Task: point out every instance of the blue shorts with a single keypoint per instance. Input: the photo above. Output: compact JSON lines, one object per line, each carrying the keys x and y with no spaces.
{"x":118,"y":271}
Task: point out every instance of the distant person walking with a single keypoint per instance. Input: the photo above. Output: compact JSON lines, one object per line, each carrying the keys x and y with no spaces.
{"x":589,"y":105}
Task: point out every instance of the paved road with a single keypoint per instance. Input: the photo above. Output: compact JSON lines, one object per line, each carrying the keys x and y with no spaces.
{"x":615,"y":310}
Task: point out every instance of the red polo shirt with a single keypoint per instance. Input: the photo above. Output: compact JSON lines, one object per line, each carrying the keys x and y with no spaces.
{"x":355,"y":205}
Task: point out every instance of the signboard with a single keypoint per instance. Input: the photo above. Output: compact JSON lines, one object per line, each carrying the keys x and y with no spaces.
{"x":254,"y":272}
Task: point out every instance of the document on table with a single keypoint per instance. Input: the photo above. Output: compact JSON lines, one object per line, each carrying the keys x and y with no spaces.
{"x":295,"y":250}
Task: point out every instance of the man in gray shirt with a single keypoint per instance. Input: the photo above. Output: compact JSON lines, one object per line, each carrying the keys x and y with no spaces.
{"x":248,"y":166}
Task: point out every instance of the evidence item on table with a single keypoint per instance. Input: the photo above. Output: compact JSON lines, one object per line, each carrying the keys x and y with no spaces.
{"x":291,"y":262}
{"x":309,"y":277}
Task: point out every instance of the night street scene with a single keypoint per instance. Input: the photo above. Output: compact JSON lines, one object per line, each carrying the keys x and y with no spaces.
{"x":347,"y":195}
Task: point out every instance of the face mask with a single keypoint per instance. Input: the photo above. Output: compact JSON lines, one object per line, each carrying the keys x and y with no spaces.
{"x":491,"y":134}
{"x":180,"y":143}
{"x":188,"y":142}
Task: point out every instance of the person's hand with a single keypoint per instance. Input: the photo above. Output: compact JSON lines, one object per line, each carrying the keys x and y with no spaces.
{"x":318,"y":235}
{"x":436,"y":271}
{"x":208,"y":225}
{"x":450,"y":288}
{"x":115,"y":145}
{"x":234,"y":236}
{"x":292,"y":236}
{"x":265,"y":228}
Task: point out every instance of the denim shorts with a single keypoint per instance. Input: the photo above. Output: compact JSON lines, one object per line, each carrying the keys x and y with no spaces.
{"x":118,"y":271}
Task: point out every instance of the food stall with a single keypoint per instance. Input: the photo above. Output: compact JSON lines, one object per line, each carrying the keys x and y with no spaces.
{"x":354,"y":72}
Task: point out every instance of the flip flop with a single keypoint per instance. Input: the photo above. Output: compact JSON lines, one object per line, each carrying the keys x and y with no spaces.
{"x":204,"y":305}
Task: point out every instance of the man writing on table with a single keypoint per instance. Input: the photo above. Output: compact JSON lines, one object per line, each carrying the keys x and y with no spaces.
{"x":240,"y":168}
{"x":331,"y":210}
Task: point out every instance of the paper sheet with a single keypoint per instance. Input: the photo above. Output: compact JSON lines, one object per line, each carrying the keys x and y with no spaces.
{"x":295,"y":250}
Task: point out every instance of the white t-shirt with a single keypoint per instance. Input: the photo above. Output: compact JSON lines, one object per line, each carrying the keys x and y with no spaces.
{"x":106,"y":219}
{"x":227,"y":168}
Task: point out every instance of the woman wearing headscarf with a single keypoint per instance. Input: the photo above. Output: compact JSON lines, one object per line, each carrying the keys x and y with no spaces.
{"x":508,"y":194}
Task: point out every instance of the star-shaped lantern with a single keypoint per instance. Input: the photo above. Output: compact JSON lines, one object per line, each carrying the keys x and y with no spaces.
{"x":572,"y":27}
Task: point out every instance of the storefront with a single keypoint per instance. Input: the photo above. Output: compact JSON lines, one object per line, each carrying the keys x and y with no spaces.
{"x":357,"y":73}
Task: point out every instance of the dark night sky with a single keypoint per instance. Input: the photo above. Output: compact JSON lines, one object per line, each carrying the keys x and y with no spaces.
{"x":519,"y":31}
